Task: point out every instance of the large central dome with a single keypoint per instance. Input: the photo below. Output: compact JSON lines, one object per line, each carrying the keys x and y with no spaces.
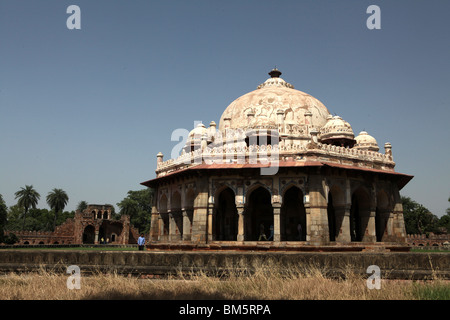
{"x":273,"y":98}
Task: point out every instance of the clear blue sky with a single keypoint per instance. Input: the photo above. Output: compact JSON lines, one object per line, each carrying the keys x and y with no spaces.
{"x":88,"y":110}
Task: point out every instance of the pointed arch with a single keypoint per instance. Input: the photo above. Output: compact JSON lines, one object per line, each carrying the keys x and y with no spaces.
{"x":335,"y":208}
{"x":293,"y":215}
{"x":226,"y":217}
{"x":359,"y":213}
{"x":259,"y":213}
{"x":164,"y":217}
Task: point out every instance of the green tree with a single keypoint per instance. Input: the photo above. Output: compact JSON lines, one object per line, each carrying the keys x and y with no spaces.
{"x":418,"y":219}
{"x":28,"y":197}
{"x":82,"y":205}
{"x":3,"y":218}
{"x":444,"y":221}
{"x":57,"y":200}
{"x":138,"y":206}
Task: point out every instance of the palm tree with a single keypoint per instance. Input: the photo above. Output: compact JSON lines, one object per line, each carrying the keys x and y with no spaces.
{"x":28,"y":197}
{"x":57,"y":200}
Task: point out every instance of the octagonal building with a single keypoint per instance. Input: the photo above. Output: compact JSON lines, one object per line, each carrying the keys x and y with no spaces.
{"x":282,"y":172}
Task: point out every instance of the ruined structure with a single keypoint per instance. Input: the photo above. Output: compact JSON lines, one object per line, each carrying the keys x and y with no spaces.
{"x":282,"y":170}
{"x":87,"y":227}
{"x":430,"y":240}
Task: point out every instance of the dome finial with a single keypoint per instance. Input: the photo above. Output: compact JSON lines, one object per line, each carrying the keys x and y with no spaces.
{"x":275,"y":73}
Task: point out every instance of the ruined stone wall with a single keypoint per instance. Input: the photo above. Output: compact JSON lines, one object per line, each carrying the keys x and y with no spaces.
{"x":438,"y":240}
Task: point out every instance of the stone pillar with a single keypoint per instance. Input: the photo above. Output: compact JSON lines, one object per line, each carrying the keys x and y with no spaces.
{"x":385,"y":225}
{"x":210,"y":223}
{"x":308,"y":216}
{"x":186,"y":225}
{"x":172,"y":226}
{"x":370,"y":232}
{"x":318,"y":207}
{"x":276,"y":223}
{"x":96,"y":235}
{"x":154,"y":221}
{"x":200,"y":216}
{"x":126,"y":229}
{"x":397,"y":219}
{"x":161,"y":228}
{"x":343,"y":227}
{"x":241,"y":222}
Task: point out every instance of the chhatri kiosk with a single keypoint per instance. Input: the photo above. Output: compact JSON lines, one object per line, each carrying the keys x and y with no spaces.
{"x":279,"y":172}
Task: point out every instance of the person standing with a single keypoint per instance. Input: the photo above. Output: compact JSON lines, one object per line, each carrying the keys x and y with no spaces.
{"x":141,"y":242}
{"x":299,"y":229}
{"x":262,"y":234}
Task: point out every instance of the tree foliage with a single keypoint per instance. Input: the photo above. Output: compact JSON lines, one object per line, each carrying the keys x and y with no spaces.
{"x":419,"y":220}
{"x":3,"y":218}
{"x":137,"y":204}
{"x":28,"y":197}
{"x":37,"y":220}
{"x":57,"y":200}
{"x":82,"y":205}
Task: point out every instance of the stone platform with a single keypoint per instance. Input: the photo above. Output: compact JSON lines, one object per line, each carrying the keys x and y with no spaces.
{"x":159,"y":263}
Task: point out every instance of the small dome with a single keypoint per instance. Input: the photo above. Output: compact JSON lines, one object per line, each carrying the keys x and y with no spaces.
{"x":365,"y":141}
{"x":198,"y":132}
{"x":337,"y":131}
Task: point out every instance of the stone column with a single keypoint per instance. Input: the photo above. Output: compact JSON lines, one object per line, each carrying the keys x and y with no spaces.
{"x":154,"y":223}
{"x":186,"y":225}
{"x":385,"y":224}
{"x":241,"y":224}
{"x":276,"y":223}
{"x":318,"y":206}
{"x":200,"y":216}
{"x":172,"y":226}
{"x":370,"y":232}
{"x":308,"y":217}
{"x":210,"y":223}
{"x":343,"y":216}
{"x":96,"y":235}
{"x":161,"y":228}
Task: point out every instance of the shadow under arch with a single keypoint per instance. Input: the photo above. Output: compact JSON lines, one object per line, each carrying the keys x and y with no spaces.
{"x":258,"y":214}
{"x":89,"y":234}
{"x":226,"y":216}
{"x":293,"y":215}
{"x":335,"y":211}
{"x":176,"y":214}
{"x":359,"y":214}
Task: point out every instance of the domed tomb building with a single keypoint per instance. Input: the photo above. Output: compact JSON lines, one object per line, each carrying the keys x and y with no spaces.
{"x":281,"y":171}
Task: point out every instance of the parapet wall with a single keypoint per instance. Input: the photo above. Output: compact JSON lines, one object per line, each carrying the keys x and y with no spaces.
{"x":393,"y":265}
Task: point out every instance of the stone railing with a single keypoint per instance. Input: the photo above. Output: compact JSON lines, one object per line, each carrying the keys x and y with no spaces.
{"x":241,"y":153}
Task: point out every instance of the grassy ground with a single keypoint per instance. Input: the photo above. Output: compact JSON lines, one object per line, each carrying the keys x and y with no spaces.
{"x":267,"y":283}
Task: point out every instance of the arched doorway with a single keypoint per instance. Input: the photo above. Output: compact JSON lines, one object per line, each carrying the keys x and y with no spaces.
{"x":359,"y":214}
{"x":89,"y":235}
{"x":164,"y":219}
{"x":226,"y":217}
{"x":188,"y":219}
{"x":331,"y":217}
{"x":177,"y":218}
{"x":259,"y":214}
{"x":293,"y":216}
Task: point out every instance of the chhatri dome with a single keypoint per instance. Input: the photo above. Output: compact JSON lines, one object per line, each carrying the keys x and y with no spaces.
{"x":259,"y":108}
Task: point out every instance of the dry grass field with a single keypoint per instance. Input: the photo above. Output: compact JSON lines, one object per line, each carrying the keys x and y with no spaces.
{"x":266,"y":283}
